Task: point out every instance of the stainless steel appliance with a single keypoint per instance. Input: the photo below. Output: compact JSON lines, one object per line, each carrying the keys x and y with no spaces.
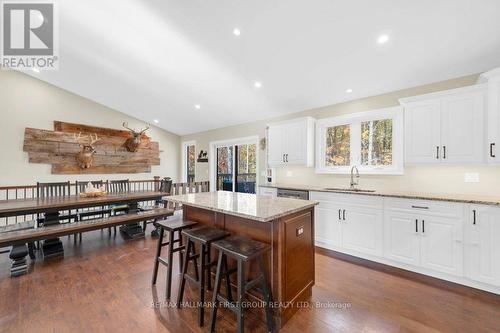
{"x":295,"y":194}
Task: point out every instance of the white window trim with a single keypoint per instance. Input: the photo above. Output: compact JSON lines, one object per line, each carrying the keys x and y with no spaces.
{"x":212,"y":165}
{"x":355,"y":119}
{"x":184,"y":146}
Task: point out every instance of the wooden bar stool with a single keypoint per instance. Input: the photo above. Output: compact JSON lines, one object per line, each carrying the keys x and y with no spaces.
{"x":241,"y":249}
{"x":171,"y":227}
{"x":204,"y":237}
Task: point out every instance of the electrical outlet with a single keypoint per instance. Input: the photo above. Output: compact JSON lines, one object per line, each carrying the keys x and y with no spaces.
{"x":471,"y":177}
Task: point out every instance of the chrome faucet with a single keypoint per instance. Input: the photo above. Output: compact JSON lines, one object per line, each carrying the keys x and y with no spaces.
{"x":354,"y":182}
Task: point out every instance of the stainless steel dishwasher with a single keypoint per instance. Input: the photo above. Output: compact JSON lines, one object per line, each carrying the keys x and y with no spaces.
{"x":295,"y":194}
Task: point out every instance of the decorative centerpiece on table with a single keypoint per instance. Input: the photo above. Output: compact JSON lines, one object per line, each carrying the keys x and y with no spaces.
{"x":93,"y":192}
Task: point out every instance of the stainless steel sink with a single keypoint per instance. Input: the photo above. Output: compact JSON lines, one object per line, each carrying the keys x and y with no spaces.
{"x":348,"y":189}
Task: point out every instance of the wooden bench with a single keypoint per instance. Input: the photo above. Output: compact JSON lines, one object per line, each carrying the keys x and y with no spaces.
{"x":9,"y":238}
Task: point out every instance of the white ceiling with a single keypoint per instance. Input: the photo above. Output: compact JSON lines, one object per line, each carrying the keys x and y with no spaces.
{"x":156,"y":59}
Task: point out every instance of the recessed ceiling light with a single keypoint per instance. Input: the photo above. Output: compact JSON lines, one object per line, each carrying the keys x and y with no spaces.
{"x":156,"y":121}
{"x":236,"y":32}
{"x":257,"y":84}
{"x":382,"y":39}
{"x":36,"y":70}
{"x":197,"y":106}
{"x":348,"y":91}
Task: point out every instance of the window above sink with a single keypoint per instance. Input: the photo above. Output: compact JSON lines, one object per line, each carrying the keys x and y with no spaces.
{"x":373,"y":141}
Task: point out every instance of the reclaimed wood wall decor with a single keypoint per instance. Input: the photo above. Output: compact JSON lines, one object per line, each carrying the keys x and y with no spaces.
{"x":59,"y":148}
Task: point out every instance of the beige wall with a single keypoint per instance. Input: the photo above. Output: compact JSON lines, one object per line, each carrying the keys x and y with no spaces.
{"x":28,"y":102}
{"x":437,"y":179}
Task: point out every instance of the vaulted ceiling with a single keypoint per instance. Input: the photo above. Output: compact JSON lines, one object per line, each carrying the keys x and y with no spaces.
{"x":159,"y":59}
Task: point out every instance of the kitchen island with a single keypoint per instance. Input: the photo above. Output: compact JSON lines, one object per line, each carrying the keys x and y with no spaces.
{"x":287,"y":225}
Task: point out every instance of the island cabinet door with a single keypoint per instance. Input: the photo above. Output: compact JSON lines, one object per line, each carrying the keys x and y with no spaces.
{"x":362,"y":230}
{"x":328,"y":225}
{"x":299,"y":254}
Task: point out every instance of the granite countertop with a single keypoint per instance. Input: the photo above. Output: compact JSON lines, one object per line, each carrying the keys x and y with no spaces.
{"x":463,"y":198}
{"x":255,"y":207}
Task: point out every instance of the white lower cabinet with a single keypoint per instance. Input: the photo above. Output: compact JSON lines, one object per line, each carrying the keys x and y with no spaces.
{"x":349,"y":222}
{"x":402,"y":238}
{"x":447,"y":240}
{"x":424,"y":234}
{"x":269,"y":191}
{"x":441,"y":245}
{"x":328,"y":225}
{"x":362,"y":230}
{"x":482,"y":244}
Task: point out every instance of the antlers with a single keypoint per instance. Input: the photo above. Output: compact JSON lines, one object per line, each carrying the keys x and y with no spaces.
{"x":90,"y":138}
{"x":125,"y":125}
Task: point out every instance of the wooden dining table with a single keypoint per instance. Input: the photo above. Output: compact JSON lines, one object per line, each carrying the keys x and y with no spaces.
{"x":51,"y":207}
{"x":48,"y":205}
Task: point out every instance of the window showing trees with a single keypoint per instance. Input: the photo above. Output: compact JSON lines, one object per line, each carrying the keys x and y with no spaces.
{"x":338,"y":145}
{"x":376,"y":142}
{"x":373,"y":141}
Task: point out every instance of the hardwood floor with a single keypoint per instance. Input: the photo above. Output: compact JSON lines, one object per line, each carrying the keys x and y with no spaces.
{"x":104,"y":284}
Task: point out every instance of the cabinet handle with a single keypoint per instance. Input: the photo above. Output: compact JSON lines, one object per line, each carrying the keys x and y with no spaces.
{"x":286,"y":158}
{"x":419,"y":207}
{"x":491,"y":150}
{"x":423,"y":226}
{"x":444,"y":151}
{"x":340,"y":218}
{"x":437,"y":152}
{"x":343,"y":215}
{"x":283,"y":158}
{"x":416,"y":225}
{"x":474,"y":217}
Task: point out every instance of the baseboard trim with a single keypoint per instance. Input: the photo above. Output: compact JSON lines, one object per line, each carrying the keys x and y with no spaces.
{"x":425,"y":279}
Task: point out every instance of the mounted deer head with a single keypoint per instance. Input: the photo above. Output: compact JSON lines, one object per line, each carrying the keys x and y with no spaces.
{"x":85,"y":156}
{"x":132,"y":143}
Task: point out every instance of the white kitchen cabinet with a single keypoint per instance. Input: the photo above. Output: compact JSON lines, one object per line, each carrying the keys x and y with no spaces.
{"x":462,"y":124}
{"x":291,"y":143}
{"x":492,"y":79}
{"x":351,"y":223}
{"x":328,"y":225}
{"x":442,"y":244}
{"x":362,"y":230}
{"x":424,"y":233}
{"x":482,"y":244}
{"x":268,"y":191}
{"x":422,"y":132}
{"x":446,"y":127}
{"x":402,"y":237}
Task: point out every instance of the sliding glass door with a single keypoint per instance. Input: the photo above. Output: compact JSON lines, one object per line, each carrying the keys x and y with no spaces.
{"x":236,"y":168}
{"x":246,"y":168}
{"x":225,"y":168}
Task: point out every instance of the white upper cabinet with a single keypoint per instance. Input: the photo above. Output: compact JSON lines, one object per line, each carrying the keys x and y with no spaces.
{"x":422,"y":132}
{"x":493,"y":105}
{"x":462,"y":128}
{"x":446,"y":127}
{"x":291,"y":143}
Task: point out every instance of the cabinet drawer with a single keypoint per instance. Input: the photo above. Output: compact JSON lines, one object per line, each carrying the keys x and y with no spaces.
{"x":365,"y":201}
{"x":430,"y":207}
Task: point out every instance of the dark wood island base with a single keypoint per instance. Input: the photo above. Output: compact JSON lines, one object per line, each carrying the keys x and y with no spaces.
{"x":290,"y":263}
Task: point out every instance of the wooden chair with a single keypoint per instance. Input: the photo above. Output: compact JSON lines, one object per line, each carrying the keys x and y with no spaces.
{"x":165,"y":187}
{"x":80,"y":187}
{"x":114,"y":187}
{"x":53,"y":247}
